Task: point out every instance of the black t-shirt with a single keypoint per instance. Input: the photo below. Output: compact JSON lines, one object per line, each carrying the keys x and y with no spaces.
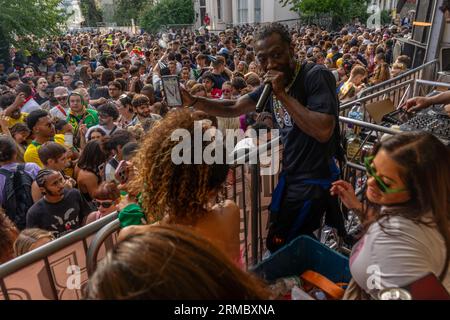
{"x":62,"y":217}
{"x":304,"y":157}
{"x":40,"y":100}
{"x":218,"y":81}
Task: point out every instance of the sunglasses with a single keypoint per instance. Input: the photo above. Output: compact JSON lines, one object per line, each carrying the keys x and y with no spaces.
{"x":104,"y":204}
{"x":380,"y":183}
{"x":62,"y":98}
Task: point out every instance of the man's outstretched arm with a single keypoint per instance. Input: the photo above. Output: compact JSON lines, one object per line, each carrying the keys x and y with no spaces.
{"x":219,"y":108}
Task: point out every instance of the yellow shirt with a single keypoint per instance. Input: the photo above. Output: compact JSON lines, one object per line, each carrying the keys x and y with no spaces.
{"x":12,"y":121}
{"x":31,"y":154}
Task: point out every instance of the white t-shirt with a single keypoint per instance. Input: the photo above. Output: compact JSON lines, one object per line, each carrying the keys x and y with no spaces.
{"x":398,"y":254}
{"x":30,"y":106}
{"x":56,"y":112}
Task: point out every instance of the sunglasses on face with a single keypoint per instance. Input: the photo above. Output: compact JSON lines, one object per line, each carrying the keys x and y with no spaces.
{"x":104,"y":204}
{"x":380,"y":183}
{"x":62,"y":98}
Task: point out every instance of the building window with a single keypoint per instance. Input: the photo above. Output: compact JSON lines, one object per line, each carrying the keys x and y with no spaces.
{"x":257,"y":10}
{"x":202,"y":11}
{"x":219,"y":9}
{"x":243,"y":11}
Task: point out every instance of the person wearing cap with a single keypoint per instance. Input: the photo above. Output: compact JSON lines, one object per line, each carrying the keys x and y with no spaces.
{"x":61,"y":111}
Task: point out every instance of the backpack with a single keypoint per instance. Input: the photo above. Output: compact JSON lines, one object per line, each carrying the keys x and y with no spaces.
{"x":17,"y":195}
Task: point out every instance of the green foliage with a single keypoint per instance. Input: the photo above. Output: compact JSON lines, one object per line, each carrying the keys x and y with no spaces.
{"x":130,"y":9}
{"x":386,"y":17}
{"x":341,"y":11}
{"x":91,"y":12}
{"x":31,"y":18}
{"x":167,"y":12}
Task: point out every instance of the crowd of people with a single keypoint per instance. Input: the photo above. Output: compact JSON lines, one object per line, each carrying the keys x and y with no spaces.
{"x":86,"y":132}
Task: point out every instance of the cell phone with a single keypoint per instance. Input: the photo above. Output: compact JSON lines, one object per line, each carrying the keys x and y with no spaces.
{"x":121,"y":173}
{"x":172,"y":92}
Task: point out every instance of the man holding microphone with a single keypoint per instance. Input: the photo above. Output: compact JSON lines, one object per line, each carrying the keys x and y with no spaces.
{"x":305,"y":107}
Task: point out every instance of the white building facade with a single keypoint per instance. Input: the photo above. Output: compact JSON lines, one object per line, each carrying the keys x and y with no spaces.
{"x":72,"y":7}
{"x":232,"y":12}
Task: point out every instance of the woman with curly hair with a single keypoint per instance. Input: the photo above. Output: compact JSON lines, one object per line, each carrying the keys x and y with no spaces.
{"x":8,"y":234}
{"x":184,"y":194}
{"x":171,"y":263}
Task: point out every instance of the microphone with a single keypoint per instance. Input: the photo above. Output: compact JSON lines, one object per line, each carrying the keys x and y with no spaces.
{"x":260,"y":106}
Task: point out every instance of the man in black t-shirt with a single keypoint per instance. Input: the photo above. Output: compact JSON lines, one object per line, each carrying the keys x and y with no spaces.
{"x":60,"y":211}
{"x":305,"y":107}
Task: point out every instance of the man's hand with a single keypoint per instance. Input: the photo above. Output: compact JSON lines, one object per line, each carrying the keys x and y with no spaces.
{"x":276,"y":79}
{"x":188,"y":99}
{"x":3,"y":121}
{"x":83,"y":129}
{"x":102,"y":100}
{"x":20,"y":100}
{"x":416,"y":103}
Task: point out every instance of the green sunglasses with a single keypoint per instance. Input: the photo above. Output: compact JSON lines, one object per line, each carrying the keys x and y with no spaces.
{"x":380,"y":183}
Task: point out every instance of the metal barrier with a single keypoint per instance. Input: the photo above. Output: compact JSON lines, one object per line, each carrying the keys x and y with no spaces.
{"x":94,"y":249}
{"x":397,"y":94}
{"x":46,"y":272}
{"x":253,"y":203}
{"x":55,"y":271}
{"x":374,"y":94}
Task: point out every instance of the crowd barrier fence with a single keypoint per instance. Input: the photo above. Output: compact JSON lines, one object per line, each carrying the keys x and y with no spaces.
{"x":60,"y":270}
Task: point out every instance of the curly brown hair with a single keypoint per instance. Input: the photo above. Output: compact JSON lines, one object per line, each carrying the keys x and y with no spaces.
{"x":8,"y":234}
{"x":179,"y":191}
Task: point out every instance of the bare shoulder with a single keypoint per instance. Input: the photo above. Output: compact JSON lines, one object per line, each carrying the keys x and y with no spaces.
{"x":131,"y":231}
{"x":228,"y":209}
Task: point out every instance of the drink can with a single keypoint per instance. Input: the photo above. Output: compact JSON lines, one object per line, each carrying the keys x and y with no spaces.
{"x":394,"y":294}
{"x":366,"y":150}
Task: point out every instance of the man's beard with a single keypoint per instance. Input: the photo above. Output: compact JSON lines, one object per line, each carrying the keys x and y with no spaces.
{"x":49,"y":193}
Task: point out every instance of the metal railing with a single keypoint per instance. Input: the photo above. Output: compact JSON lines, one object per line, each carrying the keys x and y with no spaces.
{"x":53,"y":261}
{"x":373,"y":94}
{"x":101,"y":236}
{"x":42,"y":273}
{"x":246,"y":175}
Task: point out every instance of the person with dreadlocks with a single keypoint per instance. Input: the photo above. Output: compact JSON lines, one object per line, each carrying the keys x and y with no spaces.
{"x":184,"y":194}
{"x":80,"y":117}
{"x":61,"y":210}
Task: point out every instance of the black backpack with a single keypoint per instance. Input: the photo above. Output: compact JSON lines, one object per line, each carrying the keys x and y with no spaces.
{"x":17,"y":197}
